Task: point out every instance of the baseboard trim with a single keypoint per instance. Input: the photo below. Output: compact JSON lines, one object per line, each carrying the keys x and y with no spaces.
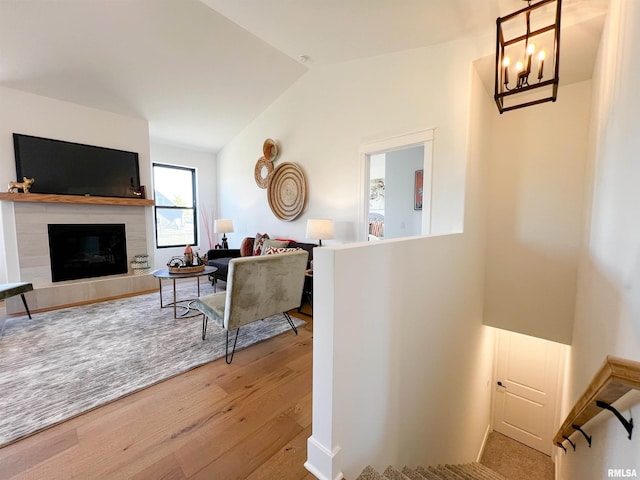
{"x":321,"y":461}
{"x":484,"y":443}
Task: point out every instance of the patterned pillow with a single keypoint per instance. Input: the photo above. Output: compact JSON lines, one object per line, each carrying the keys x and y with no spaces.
{"x":246,"y":247}
{"x":376,"y":228}
{"x":258,"y":243}
{"x":275,"y":250}
{"x":273,"y":243}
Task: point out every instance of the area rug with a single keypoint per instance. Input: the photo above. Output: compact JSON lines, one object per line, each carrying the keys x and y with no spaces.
{"x":65,"y":362}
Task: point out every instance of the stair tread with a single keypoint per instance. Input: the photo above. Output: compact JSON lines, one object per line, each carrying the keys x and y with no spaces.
{"x":461,"y":472}
{"x":484,"y":472}
{"x":436,"y":470}
{"x":412,"y":474}
{"x":427,"y":474}
{"x":393,"y":474}
{"x":466,"y":471}
{"x":370,"y":473}
{"x":448,"y":474}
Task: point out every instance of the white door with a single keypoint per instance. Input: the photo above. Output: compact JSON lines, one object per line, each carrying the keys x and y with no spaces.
{"x":528,"y":370}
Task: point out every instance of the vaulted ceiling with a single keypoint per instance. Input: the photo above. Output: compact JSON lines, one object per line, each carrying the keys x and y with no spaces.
{"x":200,"y":71}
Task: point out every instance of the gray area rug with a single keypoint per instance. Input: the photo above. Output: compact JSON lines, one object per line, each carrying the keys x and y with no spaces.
{"x":65,"y":362}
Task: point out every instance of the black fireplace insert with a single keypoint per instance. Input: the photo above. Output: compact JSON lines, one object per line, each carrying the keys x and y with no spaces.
{"x":87,"y":250}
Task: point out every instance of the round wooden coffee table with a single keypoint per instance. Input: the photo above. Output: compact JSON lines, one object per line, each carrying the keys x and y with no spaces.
{"x":164,"y":274}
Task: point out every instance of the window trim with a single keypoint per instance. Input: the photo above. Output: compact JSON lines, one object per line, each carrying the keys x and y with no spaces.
{"x":193,"y":207}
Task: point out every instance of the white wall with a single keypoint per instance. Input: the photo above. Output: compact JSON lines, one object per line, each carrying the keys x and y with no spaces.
{"x":608,"y":303}
{"x":206,"y":193}
{"x":402,"y":362}
{"x":46,"y":117}
{"x":401,"y":220}
{"x":535,"y":214}
{"x":322,"y":120}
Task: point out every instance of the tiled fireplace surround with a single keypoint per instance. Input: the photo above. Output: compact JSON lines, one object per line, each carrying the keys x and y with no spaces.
{"x":31,"y":220}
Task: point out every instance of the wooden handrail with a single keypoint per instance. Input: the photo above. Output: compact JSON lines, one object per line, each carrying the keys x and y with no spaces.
{"x":616,"y":377}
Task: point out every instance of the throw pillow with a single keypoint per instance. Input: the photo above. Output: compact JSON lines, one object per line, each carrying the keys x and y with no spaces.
{"x":246,"y":247}
{"x":273,"y":243}
{"x":275,"y":250}
{"x":258,"y":243}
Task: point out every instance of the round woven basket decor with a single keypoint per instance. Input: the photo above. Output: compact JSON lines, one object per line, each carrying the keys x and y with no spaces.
{"x":270,"y":150}
{"x":287,"y":191}
{"x":262,"y":180}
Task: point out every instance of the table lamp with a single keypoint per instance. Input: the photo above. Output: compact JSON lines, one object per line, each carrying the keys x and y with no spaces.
{"x":223,"y":226}
{"x":320,"y":228}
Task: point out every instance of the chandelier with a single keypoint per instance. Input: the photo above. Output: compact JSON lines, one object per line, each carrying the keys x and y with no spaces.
{"x":528,"y":55}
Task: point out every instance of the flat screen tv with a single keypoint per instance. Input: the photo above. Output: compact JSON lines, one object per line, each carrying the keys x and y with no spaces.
{"x":66,"y":168}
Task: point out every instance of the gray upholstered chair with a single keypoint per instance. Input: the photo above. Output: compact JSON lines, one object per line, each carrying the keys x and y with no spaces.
{"x":257,"y":287}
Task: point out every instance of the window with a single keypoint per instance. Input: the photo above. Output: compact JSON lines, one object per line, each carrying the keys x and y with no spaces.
{"x":175,"y":194}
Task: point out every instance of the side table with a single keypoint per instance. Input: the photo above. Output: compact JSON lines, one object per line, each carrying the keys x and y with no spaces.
{"x":164,"y":274}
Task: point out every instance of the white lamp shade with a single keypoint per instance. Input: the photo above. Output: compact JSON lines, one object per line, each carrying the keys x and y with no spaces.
{"x":320,"y":228}
{"x":223,"y":226}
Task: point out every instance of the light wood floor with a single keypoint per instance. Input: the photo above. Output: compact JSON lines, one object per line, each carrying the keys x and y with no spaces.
{"x":247,"y":420}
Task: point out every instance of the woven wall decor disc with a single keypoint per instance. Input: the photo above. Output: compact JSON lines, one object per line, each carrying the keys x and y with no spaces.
{"x":287,"y":191}
{"x":262,"y":179}
{"x":270,"y":150}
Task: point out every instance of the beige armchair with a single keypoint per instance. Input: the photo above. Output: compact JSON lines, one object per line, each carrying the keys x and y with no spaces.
{"x":257,"y":287}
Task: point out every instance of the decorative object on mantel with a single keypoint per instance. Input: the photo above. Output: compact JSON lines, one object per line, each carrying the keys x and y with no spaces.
{"x":287,"y":191}
{"x":270,"y":150}
{"x":24,"y":185}
{"x":320,"y":229}
{"x":140,"y":264}
{"x":262,"y":172}
{"x":515,"y":41}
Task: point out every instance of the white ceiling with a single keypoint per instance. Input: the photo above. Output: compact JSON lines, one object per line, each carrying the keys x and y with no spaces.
{"x":200,"y":71}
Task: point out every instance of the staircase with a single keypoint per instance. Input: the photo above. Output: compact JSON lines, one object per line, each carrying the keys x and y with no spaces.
{"x":468,"y":471}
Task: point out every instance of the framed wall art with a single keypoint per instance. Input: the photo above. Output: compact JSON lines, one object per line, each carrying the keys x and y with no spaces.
{"x":417,"y":191}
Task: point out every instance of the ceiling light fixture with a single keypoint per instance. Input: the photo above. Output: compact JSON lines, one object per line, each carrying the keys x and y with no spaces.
{"x":521,"y":37}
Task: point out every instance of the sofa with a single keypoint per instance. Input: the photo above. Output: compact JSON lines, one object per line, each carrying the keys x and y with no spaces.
{"x":249,"y":247}
{"x":257,"y":287}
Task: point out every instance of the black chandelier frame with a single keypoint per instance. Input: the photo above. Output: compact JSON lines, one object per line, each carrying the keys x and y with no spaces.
{"x":518,"y":95}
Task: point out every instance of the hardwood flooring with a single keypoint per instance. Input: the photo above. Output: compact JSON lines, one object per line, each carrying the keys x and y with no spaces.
{"x":247,"y":420}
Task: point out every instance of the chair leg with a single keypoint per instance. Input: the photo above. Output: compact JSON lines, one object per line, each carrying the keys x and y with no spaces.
{"x":205,"y":320}
{"x":226,"y":357}
{"x":26,"y":307}
{"x":288,"y":317}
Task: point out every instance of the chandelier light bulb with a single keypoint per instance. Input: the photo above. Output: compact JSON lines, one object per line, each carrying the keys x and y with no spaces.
{"x":531,"y":48}
{"x":541,"y":56}
{"x":519,"y":66}
{"x":506,"y":61}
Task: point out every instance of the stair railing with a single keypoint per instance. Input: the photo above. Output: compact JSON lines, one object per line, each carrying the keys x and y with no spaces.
{"x":616,"y":377}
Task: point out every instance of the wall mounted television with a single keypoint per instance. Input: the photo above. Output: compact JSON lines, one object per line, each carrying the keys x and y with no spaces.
{"x":67,"y":168}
